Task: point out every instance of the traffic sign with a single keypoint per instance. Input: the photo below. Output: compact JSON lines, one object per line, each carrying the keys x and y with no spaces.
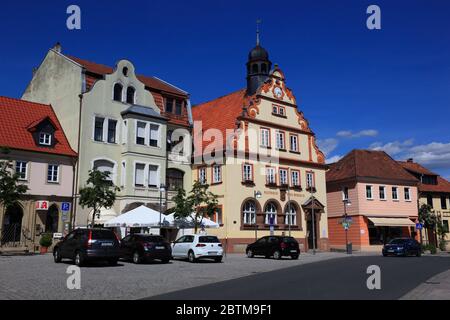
{"x":65,"y":206}
{"x":419,"y":226}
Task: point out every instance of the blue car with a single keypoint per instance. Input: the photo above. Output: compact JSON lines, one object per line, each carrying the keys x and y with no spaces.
{"x":402,"y":247}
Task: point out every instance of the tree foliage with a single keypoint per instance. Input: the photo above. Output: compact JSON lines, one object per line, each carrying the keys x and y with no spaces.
{"x":10,"y":186}
{"x":99,"y":193}
{"x":200,"y":202}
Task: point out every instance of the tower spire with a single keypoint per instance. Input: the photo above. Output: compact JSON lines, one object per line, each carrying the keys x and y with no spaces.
{"x":258,"y":21}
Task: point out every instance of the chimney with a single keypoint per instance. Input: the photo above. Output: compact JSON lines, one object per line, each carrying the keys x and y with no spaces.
{"x":410,"y":160}
{"x":57,"y":47}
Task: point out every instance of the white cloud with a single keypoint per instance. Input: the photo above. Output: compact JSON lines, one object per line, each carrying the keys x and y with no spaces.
{"x":392,"y":148}
{"x":334,"y":159}
{"x":362,"y":133}
{"x":327,"y":145}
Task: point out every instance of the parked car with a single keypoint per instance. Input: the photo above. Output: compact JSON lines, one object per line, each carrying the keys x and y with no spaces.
{"x":83,"y":245}
{"x":145,"y":247}
{"x":196,"y":247}
{"x":402,"y":247}
{"x":274,"y":246}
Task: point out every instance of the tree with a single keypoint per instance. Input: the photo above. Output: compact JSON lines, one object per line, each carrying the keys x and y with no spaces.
{"x":200,"y":202}
{"x":441,"y":231}
{"x":10,"y":187}
{"x":99,"y":193}
{"x":428,"y":219}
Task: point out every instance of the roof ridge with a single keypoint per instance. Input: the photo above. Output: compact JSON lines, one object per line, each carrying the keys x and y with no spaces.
{"x":218,"y":98}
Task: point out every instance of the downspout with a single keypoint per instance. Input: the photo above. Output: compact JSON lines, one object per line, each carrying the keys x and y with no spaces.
{"x":75,"y":185}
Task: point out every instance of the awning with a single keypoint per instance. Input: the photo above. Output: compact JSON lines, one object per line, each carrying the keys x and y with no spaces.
{"x":392,"y":222}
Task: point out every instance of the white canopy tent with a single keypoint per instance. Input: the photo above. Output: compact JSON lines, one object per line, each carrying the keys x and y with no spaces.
{"x":103,"y":216}
{"x":141,"y":217}
{"x":188,"y":223}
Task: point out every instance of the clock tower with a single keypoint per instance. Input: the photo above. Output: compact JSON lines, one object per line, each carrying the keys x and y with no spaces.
{"x":258,"y":67}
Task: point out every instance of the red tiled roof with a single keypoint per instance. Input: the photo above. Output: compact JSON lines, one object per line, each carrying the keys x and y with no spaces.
{"x":150,"y":82}
{"x":441,"y":186}
{"x":220,"y":113}
{"x":417,"y":168}
{"x":18,"y":116}
{"x":368,"y":164}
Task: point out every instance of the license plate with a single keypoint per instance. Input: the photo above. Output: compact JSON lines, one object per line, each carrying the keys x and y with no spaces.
{"x":293,"y":250}
{"x":160,"y":248}
{"x":390,"y":250}
{"x":212,"y":253}
{"x":107,"y":244}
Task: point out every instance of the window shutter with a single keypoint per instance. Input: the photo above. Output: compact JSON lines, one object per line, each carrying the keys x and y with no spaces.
{"x":153,"y":176}
{"x":139,"y":175}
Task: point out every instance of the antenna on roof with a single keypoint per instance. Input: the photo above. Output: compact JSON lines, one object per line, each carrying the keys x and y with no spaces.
{"x":258,"y":22}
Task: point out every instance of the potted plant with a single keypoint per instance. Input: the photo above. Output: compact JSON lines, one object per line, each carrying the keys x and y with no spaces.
{"x":45,"y":242}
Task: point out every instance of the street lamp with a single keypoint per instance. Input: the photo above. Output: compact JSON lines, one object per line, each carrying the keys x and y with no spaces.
{"x":346,"y":202}
{"x":257,"y":195}
{"x":162,"y":188}
{"x":312,"y":190}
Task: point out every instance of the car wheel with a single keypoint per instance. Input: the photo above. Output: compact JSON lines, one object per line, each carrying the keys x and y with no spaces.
{"x":79,"y":260}
{"x":191,"y":257}
{"x":294,"y":257}
{"x":419,"y":253}
{"x":384,"y":255}
{"x":250,"y":254}
{"x":165,"y":260}
{"x":136,"y":258}
{"x":113,"y":262}
{"x":218,"y":259}
{"x":277,"y":255}
{"x":57,"y":256}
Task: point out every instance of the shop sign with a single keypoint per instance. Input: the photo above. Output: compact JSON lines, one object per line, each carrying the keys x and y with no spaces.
{"x":41,"y":205}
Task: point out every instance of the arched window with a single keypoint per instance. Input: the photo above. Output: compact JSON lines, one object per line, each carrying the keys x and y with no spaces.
{"x":174,"y":179}
{"x":118,"y":88}
{"x":105,"y":166}
{"x":263,"y":68}
{"x":130,"y":95}
{"x":255,"y":68}
{"x":249,"y":212}
{"x":291,"y":214}
{"x":271,"y":210}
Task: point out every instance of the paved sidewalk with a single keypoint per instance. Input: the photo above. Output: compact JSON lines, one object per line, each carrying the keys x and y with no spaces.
{"x":435,"y":288}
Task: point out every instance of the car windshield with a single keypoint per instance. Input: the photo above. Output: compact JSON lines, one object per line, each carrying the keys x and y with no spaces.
{"x":208,"y":239}
{"x":151,"y":238}
{"x":289,"y":240}
{"x":398,"y":241}
{"x":103,"y":235}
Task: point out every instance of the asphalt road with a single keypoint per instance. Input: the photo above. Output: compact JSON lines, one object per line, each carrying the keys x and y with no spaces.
{"x":343,"y":278}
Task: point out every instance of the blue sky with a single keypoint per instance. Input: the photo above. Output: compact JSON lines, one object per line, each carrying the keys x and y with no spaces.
{"x":385,"y":89}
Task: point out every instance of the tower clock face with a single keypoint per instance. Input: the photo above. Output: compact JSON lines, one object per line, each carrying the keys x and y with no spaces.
{"x":278,"y":92}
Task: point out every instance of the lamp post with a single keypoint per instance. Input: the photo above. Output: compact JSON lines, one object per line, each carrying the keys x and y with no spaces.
{"x":346,"y":202}
{"x":289,"y":211}
{"x":257,"y":195}
{"x":313,"y":218}
{"x":162,"y":188}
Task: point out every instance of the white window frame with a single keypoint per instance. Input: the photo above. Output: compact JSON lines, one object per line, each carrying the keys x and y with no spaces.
{"x":217,"y":175}
{"x":125,"y":131}
{"x":265,"y":137}
{"x":292,"y":214}
{"x":310,"y":183}
{"x":247,"y":172}
{"x":158,"y":175}
{"x":123,"y":174}
{"x":283,"y":173}
{"x":271,"y":172}
{"x":268,"y":213}
{"x":53,"y":173}
{"x":147,"y":174}
{"x":147,"y":130}
{"x":369,"y":187}
{"x":121,"y":94}
{"x":113,"y":174}
{"x":295,"y":137}
{"x":297,"y":172}
{"x":407,"y":192}
{"x":202,"y":175}
{"x":43,"y":137}
{"x":384,"y":193}
{"x":105,"y":129}
{"x":249,"y":213}
{"x":345,"y":193}
{"x":26,"y":169}
{"x":397,"y":198}
{"x":280,"y":137}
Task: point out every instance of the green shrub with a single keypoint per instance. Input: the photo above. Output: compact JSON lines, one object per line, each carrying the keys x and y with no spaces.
{"x":442,"y":245}
{"x":431,"y":247}
{"x":46,"y":240}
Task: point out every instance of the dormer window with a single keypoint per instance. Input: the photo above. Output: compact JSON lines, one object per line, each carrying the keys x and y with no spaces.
{"x":45,"y":139}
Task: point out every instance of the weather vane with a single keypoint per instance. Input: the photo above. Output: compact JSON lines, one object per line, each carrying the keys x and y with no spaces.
{"x":258,"y":22}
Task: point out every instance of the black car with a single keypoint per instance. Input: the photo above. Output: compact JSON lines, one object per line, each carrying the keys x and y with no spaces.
{"x":140,"y":247}
{"x":83,"y":245}
{"x":274,"y":246}
{"x":402,"y":247}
